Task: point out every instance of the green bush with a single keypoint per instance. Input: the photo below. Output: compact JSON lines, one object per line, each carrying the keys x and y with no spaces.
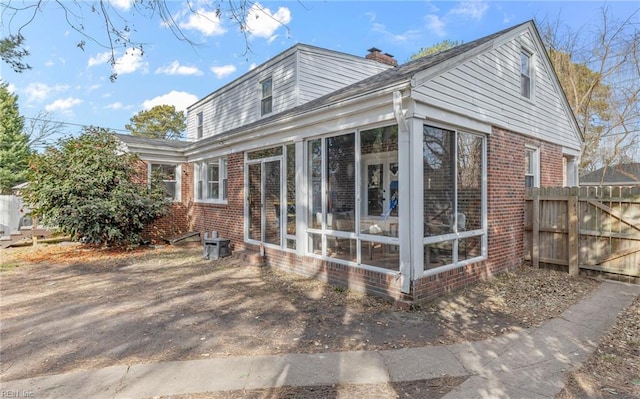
{"x":93,"y":190}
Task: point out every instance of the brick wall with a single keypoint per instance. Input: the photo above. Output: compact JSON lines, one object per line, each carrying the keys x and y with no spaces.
{"x":227,"y":219}
{"x":505,"y":191}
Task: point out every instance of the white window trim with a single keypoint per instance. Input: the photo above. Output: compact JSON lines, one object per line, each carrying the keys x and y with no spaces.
{"x":200,"y":174}
{"x":200,"y":125}
{"x":531,"y":76}
{"x":535,"y":156}
{"x":178,"y":173}
{"x":261,"y":98}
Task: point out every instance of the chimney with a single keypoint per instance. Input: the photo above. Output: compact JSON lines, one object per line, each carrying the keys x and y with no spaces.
{"x":384,"y":58}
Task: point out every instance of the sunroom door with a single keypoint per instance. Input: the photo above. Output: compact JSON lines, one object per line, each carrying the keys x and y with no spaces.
{"x":264,"y":201}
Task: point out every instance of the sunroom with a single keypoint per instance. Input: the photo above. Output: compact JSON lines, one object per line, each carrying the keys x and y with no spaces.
{"x":380,"y":198}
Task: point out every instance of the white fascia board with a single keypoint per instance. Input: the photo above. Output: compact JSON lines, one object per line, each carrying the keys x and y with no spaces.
{"x":148,"y":152}
{"x":425,"y":109}
{"x":574,"y":152}
{"x":343,"y":115}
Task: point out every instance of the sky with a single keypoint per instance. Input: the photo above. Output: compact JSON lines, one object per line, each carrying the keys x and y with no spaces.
{"x":71,"y":84}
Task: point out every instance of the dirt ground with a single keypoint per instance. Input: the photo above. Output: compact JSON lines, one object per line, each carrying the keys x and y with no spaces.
{"x":68,"y":307}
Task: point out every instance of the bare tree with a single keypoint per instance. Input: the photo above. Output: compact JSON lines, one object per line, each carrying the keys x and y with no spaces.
{"x":42,"y":130}
{"x":119,"y":31}
{"x":599,"y":70}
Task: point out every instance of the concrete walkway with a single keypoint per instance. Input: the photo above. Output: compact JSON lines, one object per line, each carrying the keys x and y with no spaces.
{"x":527,"y":364}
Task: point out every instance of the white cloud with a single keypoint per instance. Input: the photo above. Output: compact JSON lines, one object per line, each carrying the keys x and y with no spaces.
{"x":49,"y":63}
{"x":472,"y":9}
{"x":116,"y":106}
{"x":262,"y":23}
{"x":176,"y":69}
{"x":99,"y":59}
{"x":130,"y":62}
{"x":38,"y":92}
{"x":253,"y":66}
{"x":371,"y":15}
{"x":124,"y":5}
{"x":435,"y":24}
{"x":63,"y":104}
{"x":11,"y":88}
{"x":205,"y":22}
{"x":396,"y":37}
{"x":180,"y":99}
{"x":222,"y":71}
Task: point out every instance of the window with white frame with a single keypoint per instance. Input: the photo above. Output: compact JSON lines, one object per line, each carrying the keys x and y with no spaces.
{"x":211,"y":180}
{"x":532,"y":169}
{"x":454,"y":167}
{"x":266,"y":99}
{"x":170,"y":176}
{"x":525,"y":74}
{"x":200,"y":125}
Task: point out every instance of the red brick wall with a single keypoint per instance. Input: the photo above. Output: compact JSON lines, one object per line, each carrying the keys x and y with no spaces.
{"x":227,"y":219}
{"x":505,"y":191}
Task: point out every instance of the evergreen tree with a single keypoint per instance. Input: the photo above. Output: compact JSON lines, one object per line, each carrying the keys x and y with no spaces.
{"x":14,"y":144}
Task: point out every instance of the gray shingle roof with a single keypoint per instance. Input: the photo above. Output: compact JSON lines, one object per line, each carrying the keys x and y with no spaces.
{"x":620,"y":174}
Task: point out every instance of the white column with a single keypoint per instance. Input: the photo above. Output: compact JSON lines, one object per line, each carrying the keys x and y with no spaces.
{"x":301,"y":199}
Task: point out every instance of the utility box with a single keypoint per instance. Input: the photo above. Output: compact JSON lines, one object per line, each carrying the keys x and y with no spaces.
{"x":216,"y":248}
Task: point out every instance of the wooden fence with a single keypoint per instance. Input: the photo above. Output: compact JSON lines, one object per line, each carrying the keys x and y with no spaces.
{"x":589,"y":228}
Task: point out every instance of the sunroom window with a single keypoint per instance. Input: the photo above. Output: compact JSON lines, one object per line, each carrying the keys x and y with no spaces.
{"x":211,"y":180}
{"x":454,"y":166}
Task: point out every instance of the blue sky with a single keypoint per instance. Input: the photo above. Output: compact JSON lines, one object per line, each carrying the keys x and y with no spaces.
{"x":73,"y":85}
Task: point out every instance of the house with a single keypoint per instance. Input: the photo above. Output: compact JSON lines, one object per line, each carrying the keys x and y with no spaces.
{"x":403,"y":181}
{"x":624,"y":174}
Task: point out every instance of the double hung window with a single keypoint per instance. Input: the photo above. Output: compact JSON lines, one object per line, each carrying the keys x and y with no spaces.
{"x":211,"y":180}
{"x":169,"y":173}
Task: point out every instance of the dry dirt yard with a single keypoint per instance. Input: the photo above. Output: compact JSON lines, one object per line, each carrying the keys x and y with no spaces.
{"x":68,"y":307}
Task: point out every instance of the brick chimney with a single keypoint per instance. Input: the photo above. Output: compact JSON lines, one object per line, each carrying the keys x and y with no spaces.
{"x":384,"y":58}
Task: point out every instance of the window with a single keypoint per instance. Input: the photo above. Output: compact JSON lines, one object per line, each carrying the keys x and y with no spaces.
{"x":200,"y":125}
{"x":211,"y":180}
{"x":525,"y":74}
{"x":170,"y":175}
{"x":454,"y":164}
{"x":266,"y":102}
{"x":531,"y":172}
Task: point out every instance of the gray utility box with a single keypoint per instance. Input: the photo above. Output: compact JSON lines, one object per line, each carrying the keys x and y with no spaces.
{"x":215,"y":248}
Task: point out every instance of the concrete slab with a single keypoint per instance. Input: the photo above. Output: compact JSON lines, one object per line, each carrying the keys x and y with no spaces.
{"x":173,"y":378}
{"x":98,"y":384}
{"x":412,"y":364}
{"x":318,"y":369}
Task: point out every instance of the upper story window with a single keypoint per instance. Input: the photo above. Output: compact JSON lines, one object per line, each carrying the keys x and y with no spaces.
{"x":200,"y":125}
{"x":211,"y":180}
{"x":266,"y":102}
{"x":170,"y":175}
{"x":532,"y":169}
{"x":525,"y":74}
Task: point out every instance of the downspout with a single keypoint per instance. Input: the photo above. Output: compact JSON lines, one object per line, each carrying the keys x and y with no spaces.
{"x":404,"y":148}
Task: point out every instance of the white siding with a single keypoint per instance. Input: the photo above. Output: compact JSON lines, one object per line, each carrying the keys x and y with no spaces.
{"x":487,"y":87}
{"x":298,"y":77}
{"x":322,"y":73}
{"x":240,"y":104}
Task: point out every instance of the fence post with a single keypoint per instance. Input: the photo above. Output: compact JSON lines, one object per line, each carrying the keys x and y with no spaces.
{"x":573,"y":229}
{"x":535,"y":234}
